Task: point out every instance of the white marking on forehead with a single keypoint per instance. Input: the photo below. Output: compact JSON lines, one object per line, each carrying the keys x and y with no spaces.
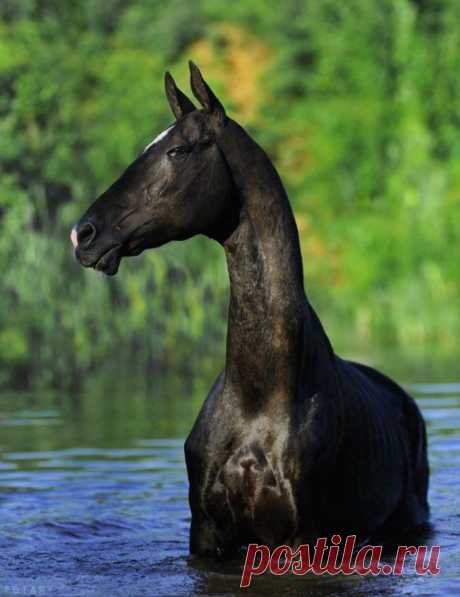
{"x":159,"y":137}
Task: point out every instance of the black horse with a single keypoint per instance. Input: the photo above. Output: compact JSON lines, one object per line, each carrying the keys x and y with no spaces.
{"x":292,"y":442}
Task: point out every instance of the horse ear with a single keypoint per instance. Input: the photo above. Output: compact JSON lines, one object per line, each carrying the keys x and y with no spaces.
{"x":204,"y":94}
{"x":179,"y":102}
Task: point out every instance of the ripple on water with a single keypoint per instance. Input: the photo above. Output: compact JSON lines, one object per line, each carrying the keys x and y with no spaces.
{"x":87,"y":511}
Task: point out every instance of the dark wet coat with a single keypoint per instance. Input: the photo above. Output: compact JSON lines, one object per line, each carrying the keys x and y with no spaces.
{"x":292,"y":442}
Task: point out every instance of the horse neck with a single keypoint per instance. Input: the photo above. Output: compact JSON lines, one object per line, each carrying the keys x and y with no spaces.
{"x":268,"y":312}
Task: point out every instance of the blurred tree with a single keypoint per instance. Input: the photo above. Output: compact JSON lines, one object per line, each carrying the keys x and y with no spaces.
{"x":357,"y":102}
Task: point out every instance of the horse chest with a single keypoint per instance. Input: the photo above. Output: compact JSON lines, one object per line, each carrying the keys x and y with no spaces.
{"x":250,"y":488}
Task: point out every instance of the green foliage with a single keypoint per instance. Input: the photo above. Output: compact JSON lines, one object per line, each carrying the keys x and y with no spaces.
{"x":357,"y":102}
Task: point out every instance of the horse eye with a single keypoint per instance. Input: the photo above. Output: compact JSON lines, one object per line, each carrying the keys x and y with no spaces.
{"x":206,"y":141}
{"x":178,"y":151}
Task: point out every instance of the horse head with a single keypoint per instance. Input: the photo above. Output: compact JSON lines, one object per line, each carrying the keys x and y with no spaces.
{"x":180,"y":186}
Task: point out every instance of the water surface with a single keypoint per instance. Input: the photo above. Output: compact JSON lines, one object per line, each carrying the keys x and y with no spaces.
{"x":93,"y":498}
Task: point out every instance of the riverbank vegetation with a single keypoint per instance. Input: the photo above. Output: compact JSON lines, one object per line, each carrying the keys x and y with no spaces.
{"x":358,"y":104}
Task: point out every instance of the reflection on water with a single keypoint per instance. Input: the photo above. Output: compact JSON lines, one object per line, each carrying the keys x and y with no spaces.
{"x":93,"y":498}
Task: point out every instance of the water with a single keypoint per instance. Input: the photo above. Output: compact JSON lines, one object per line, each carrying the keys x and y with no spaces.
{"x":93,"y":498}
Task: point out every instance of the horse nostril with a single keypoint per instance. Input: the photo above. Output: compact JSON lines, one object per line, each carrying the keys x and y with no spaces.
{"x":86,"y":233}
